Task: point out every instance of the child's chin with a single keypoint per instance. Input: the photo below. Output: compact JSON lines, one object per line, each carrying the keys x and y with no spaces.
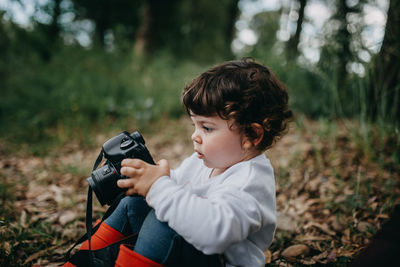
{"x":207,"y":164}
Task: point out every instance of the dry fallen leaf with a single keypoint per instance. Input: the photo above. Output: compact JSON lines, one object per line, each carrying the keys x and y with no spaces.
{"x":346,"y":236}
{"x":294,"y":251}
{"x":332,"y":256}
{"x":22,"y":219}
{"x":382,"y":216}
{"x":6,"y":246}
{"x":364,"y":226}
{"x":337,"y":224}
{"x":310,"y":237}
{"x":286,"y":222}
{"x":67,"y":217}
{"x":323,"y":227}
{"x":34,"y":256}
{"x":268,"y":256}
{"x":321,"y":256}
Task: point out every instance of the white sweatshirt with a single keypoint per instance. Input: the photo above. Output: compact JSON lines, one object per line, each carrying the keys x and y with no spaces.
{"x":233,"y":213}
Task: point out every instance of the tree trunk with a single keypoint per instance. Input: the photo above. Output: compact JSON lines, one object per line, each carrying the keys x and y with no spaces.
{"x":101,"y":33}
{"x":384,"y":95}
{"x":144,"y":38}
{"x":344,"y":53}
{"x":293,"y":43}
{"x":233,"y":12}
{"x":54,"y":29}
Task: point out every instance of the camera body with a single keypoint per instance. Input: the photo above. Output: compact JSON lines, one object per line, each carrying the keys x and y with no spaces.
{"x":103,"y":180}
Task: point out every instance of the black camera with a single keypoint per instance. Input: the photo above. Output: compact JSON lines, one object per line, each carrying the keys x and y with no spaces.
{"x":103,"y":181}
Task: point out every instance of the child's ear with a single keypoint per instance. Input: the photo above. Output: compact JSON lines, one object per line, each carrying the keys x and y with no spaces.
{"x":259,"y":132}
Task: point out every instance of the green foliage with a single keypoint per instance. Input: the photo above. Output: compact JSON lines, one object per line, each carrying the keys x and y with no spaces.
{"x":331,"y":88}
{"x":79,"y":89}
{"x":51,"y":91}
{"x":311,"y":89}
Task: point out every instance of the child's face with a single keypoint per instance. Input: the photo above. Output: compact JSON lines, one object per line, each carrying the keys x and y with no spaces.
{"x":218,"y":142}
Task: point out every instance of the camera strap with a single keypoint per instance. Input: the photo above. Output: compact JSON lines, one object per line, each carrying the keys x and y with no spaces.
{"x":89,"y":210}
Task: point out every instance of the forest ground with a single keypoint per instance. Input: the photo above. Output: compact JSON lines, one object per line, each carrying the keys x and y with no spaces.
{"x":335,"y":189}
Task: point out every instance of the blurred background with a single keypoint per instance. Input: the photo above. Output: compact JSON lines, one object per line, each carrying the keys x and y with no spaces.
{"x":67,"y":66}
{"x":74,"y":73}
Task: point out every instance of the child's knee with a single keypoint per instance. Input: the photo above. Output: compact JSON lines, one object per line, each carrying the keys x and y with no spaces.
{"x":130,"y":203}
{"x":152,"y":227}
{"x":156,"y":239}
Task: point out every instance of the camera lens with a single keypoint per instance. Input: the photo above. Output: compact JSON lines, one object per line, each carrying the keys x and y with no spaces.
{"x":103,"y":181}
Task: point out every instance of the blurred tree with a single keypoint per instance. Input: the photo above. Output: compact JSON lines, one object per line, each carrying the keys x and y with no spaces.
{"x":4,"y":49}
{"x":39,"y":37}
{"x":292,"y":44}
{"x":344,"y":54}
{"x":341,"y":50}
{"x":205,"y":27}
{"x":158,"y":21}
{"x":21,"y":45}
{"x":384,"y":93}
{"x":47,"y":35}
{"x":184,"y":28}
{"x":265,"y":25}
{"x":54,"y":27}
{"x":232,"y":14}
{"x":108,"y":16}
{"x":188,"y":29}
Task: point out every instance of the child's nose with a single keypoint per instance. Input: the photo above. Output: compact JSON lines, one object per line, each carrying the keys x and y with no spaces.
{"x":196,"y":137}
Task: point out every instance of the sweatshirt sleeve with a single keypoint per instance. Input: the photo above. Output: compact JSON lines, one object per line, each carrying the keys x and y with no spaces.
{"x":210,"y":224}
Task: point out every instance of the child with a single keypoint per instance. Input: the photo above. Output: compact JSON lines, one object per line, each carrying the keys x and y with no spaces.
{"x":220,"y":202}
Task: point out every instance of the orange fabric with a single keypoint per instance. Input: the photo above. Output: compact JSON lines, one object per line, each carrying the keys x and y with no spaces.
{"x":104,"y":236}
{"x":128,"y":257}
{"x":67,"y":264}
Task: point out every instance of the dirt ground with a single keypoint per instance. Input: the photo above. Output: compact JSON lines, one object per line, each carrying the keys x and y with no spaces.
{"x":332,"y":194}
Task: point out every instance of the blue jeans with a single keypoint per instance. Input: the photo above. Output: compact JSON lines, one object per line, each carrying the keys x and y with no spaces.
{"x":156,"y":240}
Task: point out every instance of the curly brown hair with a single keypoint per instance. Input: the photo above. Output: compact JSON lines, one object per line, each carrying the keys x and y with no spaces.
{"x":245,"y":91}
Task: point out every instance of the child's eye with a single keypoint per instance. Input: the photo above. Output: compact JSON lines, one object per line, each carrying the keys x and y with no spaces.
{"x":207,"y":129}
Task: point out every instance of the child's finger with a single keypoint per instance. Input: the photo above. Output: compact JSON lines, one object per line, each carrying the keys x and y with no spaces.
{"x":131,"y":191}
{"x":126,"y":183}
{"x":131,"y":172}
{"x":163,"y":163}
{"x":135,"y":163}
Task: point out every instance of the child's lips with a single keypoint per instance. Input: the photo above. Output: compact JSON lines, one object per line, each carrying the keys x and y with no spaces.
{"x":200,"y":155}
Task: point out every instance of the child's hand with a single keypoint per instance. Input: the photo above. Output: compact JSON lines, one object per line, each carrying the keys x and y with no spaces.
{"x":141,"y":175}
